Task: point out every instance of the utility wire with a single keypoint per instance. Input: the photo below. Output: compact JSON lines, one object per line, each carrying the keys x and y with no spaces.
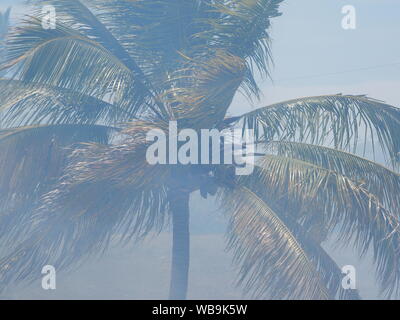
{"x":339,"y":72}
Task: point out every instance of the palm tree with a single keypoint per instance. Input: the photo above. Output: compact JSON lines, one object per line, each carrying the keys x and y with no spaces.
{"x":74,"y":175}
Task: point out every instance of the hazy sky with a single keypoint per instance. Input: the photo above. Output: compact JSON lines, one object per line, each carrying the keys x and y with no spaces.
{"x":313,"y":55}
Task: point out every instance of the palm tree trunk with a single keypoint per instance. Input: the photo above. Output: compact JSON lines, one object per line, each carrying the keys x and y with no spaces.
{"x":180,"y":246}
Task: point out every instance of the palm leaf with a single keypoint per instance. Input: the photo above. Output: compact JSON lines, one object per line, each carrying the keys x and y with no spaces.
{"x":65,"y":58}
{"x":79,"y":15}
{"x":320,"y":197}
{"x":32,"y":160}
{"x":377,"y":179}
{"x":27,"y":103}
{"x":107,"y":193}
{"x":273,"y":263}
{"x":329,"y":271}
{"x":338,"y":120}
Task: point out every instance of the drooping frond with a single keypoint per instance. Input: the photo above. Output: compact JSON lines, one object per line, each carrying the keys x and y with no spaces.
{"x":79,"y":15}
{"x":273,"y":263}
{"x":338,"y":120}
{"x":329,"y":271}
{"x":64,"y":58}
{"x":32,"y":155}
{"x":330,"y":274}
{"x":320,"y":197}
{"x":107,"y":193}
{"x":377,"y":179}
{"x":25,"y":103}
{"x":32,"y":159}
{"x":82,"y":18}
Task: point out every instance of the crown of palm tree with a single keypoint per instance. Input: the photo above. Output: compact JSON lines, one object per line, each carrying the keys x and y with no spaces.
{"x":74,"y":119}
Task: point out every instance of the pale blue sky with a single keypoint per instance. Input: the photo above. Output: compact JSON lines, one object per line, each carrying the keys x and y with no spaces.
{"x":308,"y":40}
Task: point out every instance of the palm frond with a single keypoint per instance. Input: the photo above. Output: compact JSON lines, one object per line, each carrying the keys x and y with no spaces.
{"x":338,"y":120}
{"x":26,"y":103}
{"x":78,"y":14}
{"x":32,"y":160}
{"x":147,"y":35}
{"x":30,"y":154}
{"x":273,"y":263}
{"x":107,"y":193}
{"x":329,"y":271}
{"x":377,"y":179}
{"x":83,"y":19}
{"x":65,"y":58}
{"x":317,"y":196}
